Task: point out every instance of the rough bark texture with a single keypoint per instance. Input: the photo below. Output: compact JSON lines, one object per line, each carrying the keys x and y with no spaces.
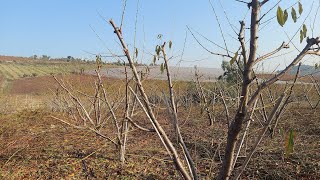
{"x":235,"y":126}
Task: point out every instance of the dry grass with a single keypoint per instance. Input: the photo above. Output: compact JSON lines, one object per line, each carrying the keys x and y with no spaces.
{"x":49,"y":149}
{"x":34,"y":146}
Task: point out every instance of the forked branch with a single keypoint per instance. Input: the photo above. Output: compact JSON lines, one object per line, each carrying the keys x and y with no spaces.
{"x":160,"y":131}
{"x":282,"y":46}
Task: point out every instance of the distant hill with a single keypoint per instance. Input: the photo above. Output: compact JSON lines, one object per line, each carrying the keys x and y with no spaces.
{"x":305,"y":70}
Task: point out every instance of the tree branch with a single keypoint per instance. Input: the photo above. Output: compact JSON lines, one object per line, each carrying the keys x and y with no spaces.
{"x":160,"y":131}
{"x":310,"y":43}
{"x":263,"y":2}
{"x":213,"y":53}
{"x":242,"y":42}
{"x":282,"y":46}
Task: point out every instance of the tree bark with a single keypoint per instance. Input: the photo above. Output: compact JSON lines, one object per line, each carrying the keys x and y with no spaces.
{"x":235,"y":126}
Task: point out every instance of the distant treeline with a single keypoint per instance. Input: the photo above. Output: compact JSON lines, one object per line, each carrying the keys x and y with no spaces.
{"x":68,"y":58}
{"x":46,"y":58}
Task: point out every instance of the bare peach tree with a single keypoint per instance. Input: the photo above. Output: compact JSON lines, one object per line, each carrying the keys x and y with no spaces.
{"x":240,"y":106}
{"x":250,"y":92}
{"x":168,"y":144}
{"x":100,"y":112}
{"x":250,"y":59}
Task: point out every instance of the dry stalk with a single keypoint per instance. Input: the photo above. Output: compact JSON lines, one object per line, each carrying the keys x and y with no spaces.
{"x":261,"y":135}
{"x":204,"y":98}
{"x":160,"y":131}
{"x":244,"y":134}
{"x":173,"y":111}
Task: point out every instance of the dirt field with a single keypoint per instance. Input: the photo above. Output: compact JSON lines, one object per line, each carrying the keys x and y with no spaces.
{"x":35,"y":146}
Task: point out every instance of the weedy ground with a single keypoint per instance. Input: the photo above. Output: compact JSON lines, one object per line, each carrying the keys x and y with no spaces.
{"x":35,"y":146}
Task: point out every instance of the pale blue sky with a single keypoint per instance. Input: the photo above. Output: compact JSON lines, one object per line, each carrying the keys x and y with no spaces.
{"x":60,"y":28}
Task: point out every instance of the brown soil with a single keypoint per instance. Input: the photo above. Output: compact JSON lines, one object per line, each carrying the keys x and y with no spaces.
{"x":36,"y":146}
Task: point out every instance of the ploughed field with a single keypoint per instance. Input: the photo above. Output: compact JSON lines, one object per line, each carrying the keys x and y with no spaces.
{"x":12,"y":71}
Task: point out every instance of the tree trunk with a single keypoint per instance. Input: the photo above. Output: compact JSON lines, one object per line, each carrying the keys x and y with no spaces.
{"x":235,"y":127}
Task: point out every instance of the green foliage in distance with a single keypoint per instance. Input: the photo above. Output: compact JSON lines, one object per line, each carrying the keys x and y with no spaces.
{"x":232,"y":72}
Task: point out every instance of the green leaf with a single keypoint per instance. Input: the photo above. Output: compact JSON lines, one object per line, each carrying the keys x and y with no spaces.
{"x":161,"y":68}
{"x":294,"y":15}
{"x":234,"y":58}
{"x":289,"y":143}
{"x":301,"y":36}
{"x":136,"y":52}
{"x":285,"y":16}
{"x":300,"y":8}
{"x":154,"y":59}
{"x":304,"y":30}
{"x":98,"y":61}
{"x":170,"y":44}
{"x":158,"y":50}
{"x":280,"y":16}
